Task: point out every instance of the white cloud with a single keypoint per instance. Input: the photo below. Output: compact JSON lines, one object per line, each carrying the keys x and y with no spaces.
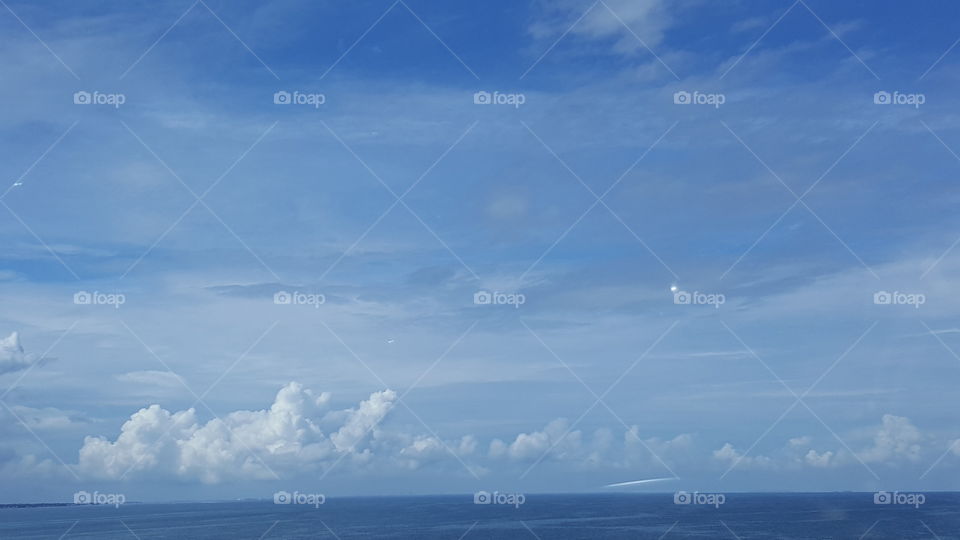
{"x":728,"y":454}
{"x":648,"y":19}
{"x":12,"y":356}
{"x":531,"y":446}
{"x":896,"y":439}
{"x":814,"y":459}
{"x":243,"y":444}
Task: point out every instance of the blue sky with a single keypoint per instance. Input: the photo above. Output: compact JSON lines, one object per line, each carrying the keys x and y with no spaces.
{"x":795,"y":201}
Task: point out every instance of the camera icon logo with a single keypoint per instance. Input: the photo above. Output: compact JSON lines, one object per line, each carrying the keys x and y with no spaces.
{"x":681,"y":98}
{"x":681,"y":497}
{"x":281,"y":97}
{"x":82,"y":298}
{"x":482,"y":497}
{"x":81,"y":98}
{"x":81,"y":497}
{"x":282,"y":497}
{"x":882,"y":298}
{"x":882,"y":497}
{"x":482,"y":98}
{"x":682,"y":297}
{"x":482,"y":298}
{"x":882,"y":98}
{"x":282,"y":298}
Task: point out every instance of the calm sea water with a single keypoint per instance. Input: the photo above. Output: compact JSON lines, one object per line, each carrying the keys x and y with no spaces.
{"x":785,"y":516}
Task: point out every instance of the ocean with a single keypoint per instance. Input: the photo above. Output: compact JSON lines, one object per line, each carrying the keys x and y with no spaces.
{"x":739,"y":515}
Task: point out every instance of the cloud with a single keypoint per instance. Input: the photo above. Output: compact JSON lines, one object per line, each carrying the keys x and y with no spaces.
{"x":896,"y":439}
{"x":288,"y":436}
{"x":728,"y":454}
{"x":47,"y":418}
{"x":12,"y":356}
{"x":556,"y":438}
{"x":152,"y":378}
{"x":648,"y":19}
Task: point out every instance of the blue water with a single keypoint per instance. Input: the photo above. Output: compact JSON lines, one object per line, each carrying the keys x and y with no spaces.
{"x":784,"y":516}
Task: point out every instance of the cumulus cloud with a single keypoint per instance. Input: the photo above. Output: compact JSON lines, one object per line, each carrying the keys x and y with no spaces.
{"x":731,"y":456}
{"x":290,"y":435}
{"x":556,"y":437}
{"x":12,"y":356}
{"x":896,"y":439}
{"x":300,"y":433}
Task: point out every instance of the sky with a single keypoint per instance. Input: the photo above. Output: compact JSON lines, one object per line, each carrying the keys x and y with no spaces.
{"x":411,"y":247}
